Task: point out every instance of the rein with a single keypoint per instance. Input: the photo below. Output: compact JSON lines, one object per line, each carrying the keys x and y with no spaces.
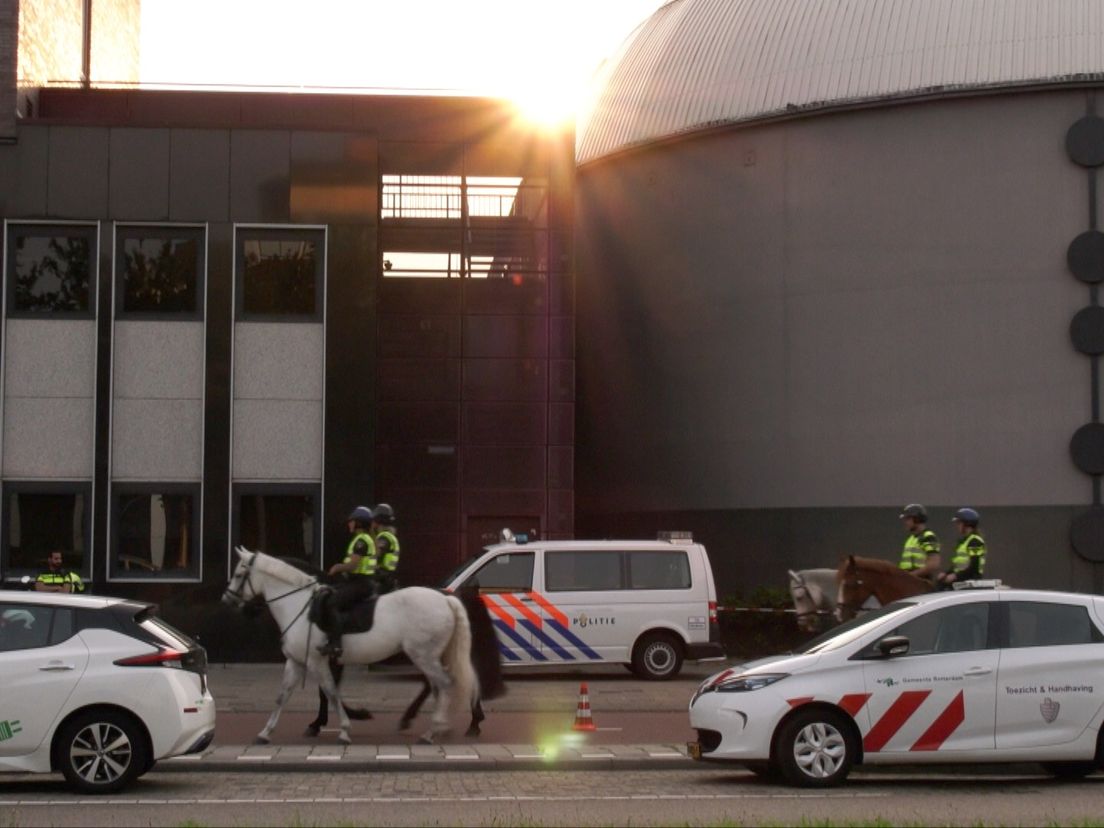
{"x":248,"y":579}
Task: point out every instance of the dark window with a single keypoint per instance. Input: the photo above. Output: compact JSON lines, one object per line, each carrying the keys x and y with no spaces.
{"x":49,"y":269}
{"x":659,"y":570}
{"x":1039,"y":624}
{"x":583,"y":571}
{"x":956,"y":629}
{"x":512,"y":572}
{"x":159,"y":271}
{"x":154,"y":531}
{"x":280,"y":274}
{"x":62,"y":629}
{"x":41,"y":518}
{"x":24,"y":626}
{"x":278,"y":520}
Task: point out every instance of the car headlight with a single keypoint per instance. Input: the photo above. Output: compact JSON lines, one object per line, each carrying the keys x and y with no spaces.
{"x":745,"y":684}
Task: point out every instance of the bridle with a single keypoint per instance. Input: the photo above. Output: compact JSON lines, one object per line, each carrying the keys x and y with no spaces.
{"x":854,"y":581}
{"x":257,"y":597}
{"x":797,"y":584}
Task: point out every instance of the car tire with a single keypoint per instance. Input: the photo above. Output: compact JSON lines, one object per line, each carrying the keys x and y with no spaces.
{"x":815,"y":748}
{"x":1069,"y":770}
{"x":102,"y":751}
{"x":657,"y":657}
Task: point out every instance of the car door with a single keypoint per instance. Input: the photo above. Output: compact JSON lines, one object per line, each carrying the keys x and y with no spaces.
{"x":41,"y":662}
{"x":1051,"y":674}
{"x":505,"y":583}
{"x":583,"y":605}
{"x":941,"y":694}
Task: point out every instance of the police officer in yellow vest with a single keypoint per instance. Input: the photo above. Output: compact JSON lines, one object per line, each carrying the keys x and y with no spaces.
{"x":57,"y":578}
{"x":968,"y":562}
{"x":353,"y":580}
{"x":387,"y":547}
{"x":920,"y":555}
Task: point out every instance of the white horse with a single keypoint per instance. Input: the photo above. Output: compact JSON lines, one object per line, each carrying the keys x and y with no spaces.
{"x":814,"y":593}
{"x":431,"y":628}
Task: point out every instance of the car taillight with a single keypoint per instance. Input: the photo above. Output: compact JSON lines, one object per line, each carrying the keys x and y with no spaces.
{"x":162,"y":658}
{"x":713,"y":611}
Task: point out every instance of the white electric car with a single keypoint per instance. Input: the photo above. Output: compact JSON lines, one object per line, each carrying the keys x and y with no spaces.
{"x":983,"y":674}
{"x":97,"y":688}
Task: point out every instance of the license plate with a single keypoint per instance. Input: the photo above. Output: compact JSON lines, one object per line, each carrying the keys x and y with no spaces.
{"x":694,"y":749}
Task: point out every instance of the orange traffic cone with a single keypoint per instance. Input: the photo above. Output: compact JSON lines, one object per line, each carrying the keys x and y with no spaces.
{"x":583,"y":721}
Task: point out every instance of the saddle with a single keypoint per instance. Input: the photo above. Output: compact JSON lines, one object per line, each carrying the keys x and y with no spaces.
{"x":355,"y":619}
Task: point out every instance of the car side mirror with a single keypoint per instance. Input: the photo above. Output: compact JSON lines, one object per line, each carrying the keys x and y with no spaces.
{"x":893,"y":645}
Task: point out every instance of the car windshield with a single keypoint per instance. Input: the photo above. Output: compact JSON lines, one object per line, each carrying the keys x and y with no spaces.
{"x":452,"y":576}
{"x":857,"y":627}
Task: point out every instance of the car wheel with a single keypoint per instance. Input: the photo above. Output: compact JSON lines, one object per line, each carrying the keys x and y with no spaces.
{"x":102,"y":751}
{"x":657,"y":657}
{"x":1069,"y":770}
{"x":815,"y":749}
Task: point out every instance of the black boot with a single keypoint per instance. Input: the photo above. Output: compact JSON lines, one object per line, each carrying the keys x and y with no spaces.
{"x":334,"y":630}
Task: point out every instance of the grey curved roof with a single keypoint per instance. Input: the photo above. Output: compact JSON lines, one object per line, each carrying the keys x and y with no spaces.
{"x":696,"y":64}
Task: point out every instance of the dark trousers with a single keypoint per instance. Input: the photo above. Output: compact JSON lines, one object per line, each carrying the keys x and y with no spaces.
{"x":348,"y":592}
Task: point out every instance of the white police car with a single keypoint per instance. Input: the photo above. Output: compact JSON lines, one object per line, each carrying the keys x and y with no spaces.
{"x":984,"y":674}
{"x":97,"y":688}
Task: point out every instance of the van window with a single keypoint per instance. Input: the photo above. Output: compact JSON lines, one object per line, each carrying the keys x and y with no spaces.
{"x":659,"y":570}
{"x":512,"y":572}
{"x":582,"y":571}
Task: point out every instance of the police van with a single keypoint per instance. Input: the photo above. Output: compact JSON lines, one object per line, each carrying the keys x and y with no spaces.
{"x":646,"y":604}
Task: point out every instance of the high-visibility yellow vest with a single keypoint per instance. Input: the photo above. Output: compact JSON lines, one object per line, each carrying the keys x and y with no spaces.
{"x":971,"y":546}
{"x":917,"y":548}
{"x":367,"y":565}
{"x":390,"y":560}
{"x":61,"y":579}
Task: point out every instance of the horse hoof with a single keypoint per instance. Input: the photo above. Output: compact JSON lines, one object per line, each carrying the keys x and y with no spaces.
{"x":404,"y":724}
{"x":345,"y":740}
{"x":472,"y":731}
{"x":425,"y":739}
{"x":260,"y":740}
{"x":310,"y":732}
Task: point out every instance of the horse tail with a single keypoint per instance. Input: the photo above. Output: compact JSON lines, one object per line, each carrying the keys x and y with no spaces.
{"x":486,"y":657}
{"x":457,"y":657}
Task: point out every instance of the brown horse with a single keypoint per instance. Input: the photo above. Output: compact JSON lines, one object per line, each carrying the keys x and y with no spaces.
{"x":861,"y":578}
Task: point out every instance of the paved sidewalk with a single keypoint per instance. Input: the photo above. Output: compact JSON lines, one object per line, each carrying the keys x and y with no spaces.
{"x":252,"y":688}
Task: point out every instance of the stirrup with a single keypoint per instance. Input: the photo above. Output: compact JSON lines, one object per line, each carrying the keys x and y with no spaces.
{"x":331,"y":649}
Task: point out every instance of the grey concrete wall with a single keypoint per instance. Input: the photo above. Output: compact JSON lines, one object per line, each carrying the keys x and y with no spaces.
{"x":837,"y":312}
{"x":49,"y":399}
{"x":279,"y":371}
{"x":157,"y":401}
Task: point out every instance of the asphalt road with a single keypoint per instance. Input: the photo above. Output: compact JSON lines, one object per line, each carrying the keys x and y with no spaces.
{"x":695,"y":796}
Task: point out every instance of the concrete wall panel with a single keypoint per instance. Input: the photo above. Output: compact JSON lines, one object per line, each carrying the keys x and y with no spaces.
{"x":48,"y":438}
{"x":157,"y":440}
{"x":50,"y":358}
{"x":158,"y":360}
{"x":277,"y":440}
{"x":278,"y":361}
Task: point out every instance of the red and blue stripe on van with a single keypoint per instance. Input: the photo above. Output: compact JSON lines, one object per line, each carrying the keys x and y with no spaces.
{"x":510,"y":613}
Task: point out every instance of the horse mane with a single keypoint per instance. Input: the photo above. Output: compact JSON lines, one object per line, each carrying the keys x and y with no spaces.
{"x":303,"y":566}
{"x":281,"y":569}
{"x":872,"y":565}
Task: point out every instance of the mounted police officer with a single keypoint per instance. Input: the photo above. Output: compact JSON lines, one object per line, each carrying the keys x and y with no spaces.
{"x":57,"y":578}
{"x":353,"y":580}
{"x":968,"y":562}
{"x":387,"y":547}
{"x":920,"y":555}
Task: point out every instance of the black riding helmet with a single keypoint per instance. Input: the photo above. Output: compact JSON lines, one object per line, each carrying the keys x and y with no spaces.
{"x":915,"y":510}
{"x":361,"y":516}
{"x":383,"y":513}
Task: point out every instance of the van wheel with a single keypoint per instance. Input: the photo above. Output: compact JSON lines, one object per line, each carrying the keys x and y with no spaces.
{"x":815,"y":749}
{"x":657,"y":657}
{"x":102,"y":751}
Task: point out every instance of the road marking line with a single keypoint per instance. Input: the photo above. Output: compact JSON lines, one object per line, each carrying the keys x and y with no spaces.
{"x":325,"y":757}
{"x":254,"y":758}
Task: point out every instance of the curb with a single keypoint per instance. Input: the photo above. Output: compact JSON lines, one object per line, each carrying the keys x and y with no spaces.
{"x":421,"y":758}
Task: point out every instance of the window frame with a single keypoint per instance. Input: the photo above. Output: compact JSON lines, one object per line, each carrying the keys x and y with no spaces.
{"x":194,"y":574}
{"x":149,"y":230}
{"x":319,"y":233}
{"x":238,"y":489}
{"x":483,"y":590}
{"x":10,"y":487}
{"x":89,"y":228}
{"x":52,"y":632}
{"x":622,"y":569}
